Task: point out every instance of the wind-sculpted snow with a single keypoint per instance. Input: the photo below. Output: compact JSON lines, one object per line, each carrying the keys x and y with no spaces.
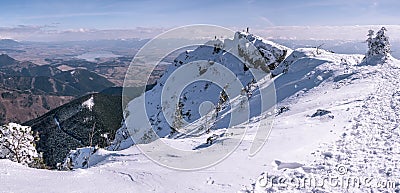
{"x":364,"y":157}
{"x":305,"y":69}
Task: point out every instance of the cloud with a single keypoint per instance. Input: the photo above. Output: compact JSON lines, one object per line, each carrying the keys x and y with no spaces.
{"x":73,"y":15}
{"x":50,"y":33}
{"x":20,"y":31}
{"x":355,"y":32}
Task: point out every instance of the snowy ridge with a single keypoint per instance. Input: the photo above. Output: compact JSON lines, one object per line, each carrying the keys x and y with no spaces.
{"x":333,"y":110}
{"x":235,"y":55}
{"x":306,"y":68}
{"x":294,"y":137}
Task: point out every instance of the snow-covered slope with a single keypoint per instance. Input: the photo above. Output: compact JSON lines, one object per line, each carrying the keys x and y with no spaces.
{"x":242,"y":60}
{"x":331,"y":110}
{"x":306,"y":68}
{"x":363,"y":156}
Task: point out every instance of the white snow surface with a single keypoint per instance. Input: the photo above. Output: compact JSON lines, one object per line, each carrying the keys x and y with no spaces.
{"x":360,"y":100}
{"x":89,"y":103}
{"x":202,"y":74}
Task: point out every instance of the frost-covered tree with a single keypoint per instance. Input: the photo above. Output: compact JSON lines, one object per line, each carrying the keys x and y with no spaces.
{"x":17,"y":144}
{"x":378,"y":45}
{"x":370,"y":35}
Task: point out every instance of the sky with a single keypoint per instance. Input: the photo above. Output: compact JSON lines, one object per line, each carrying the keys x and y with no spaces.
{"x":30,"y":19}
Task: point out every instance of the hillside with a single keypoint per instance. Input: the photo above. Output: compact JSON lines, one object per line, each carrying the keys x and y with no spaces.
{"x":17,"y":106}
{"x":28,"y":90}
{"x":72,"y":124}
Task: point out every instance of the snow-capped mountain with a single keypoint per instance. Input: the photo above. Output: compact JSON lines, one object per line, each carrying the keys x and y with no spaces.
{"x":336,"y":115}
{"x":245,"y":57}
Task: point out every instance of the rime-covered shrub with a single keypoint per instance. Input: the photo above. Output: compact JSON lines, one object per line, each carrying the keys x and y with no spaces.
{"x":17,"y":144}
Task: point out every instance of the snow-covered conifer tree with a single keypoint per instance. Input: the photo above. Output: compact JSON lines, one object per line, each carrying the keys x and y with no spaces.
{"x":378,"y":45}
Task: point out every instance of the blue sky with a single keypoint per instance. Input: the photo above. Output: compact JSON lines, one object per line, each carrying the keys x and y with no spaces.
{"x":146,"y":13}
{"x":130,"y":14}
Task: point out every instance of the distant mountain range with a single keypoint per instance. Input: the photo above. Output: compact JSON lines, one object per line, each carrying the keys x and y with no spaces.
{"x":28,"y":90}
{"x":8,"y":43}
{"x":45,"y":79}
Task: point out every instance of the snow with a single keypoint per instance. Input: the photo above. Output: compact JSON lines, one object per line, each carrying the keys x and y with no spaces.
{"x":17,"y":144}
{"x":57,"y":122}
{"x":356,"y":119}
{"x":199,"y":76}
{"x":89,"y":103}
{"x":366,"y":148}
